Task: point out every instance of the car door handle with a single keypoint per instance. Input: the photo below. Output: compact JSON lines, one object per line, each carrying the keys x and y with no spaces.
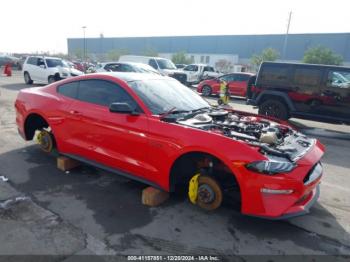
{"x":74,"y":112}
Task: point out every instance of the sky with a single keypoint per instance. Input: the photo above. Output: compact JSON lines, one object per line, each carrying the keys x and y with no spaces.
{"x":45,"y":25}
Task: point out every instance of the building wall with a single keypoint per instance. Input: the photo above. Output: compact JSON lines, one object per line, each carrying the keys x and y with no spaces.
{"x":205,"y":58}
{"x":244,"y":46}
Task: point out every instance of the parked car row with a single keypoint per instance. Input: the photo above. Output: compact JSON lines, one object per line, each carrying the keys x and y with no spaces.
{"x":45,"y":70}
{"x":13,"y":61}
{"x":186,"y":74}
{"x":125,"y":67}
{"x":36,"y":69}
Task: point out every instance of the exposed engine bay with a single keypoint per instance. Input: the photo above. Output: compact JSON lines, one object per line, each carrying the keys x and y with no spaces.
{"x":272,"y":138}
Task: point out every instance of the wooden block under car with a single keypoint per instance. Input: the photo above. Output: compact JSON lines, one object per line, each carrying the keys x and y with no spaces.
{"x":153,"y":197}
{"x":65,"y":163}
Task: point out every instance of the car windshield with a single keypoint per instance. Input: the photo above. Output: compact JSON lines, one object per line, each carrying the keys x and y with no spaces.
{"x":145,"y":69}
{"x":67,"y":64}
{"x":165,"y":64}
{"x":55,"y":62}
{"x":162,"y":95}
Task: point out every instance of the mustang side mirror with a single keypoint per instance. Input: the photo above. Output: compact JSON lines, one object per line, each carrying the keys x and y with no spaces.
{"x":123,"y":108}
{"x":42,"y":66}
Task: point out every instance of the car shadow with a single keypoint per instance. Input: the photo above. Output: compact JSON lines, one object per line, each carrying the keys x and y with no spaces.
{"x":19,"y":86}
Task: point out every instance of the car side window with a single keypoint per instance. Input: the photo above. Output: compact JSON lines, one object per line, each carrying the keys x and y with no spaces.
{"x":232,"y":78}
{"x":69,"y":89}
{"x":243,"y":78}
{"x":338,"y":79}
{"x":307,"y":76}
{"x":103,"y":93}
{"x":226,"y":78}
{"x":208,"y":69}
{"x":153,"y":63}
{"x":112,"y":67}
{"x":32,"y":61}
{"x":192,"y":68}
{"x":40,"y":62}
{"x":126,"y":68}
{"x":275,"y":74}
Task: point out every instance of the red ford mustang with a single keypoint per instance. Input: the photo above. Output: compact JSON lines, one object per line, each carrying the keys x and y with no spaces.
{"x":237,"y":83}
{"x":155,"y":130}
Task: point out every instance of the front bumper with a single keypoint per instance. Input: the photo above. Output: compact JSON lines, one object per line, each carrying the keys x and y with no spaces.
{"x":182,"y":78}
{"x":300,"y":209}
{"x":302,"y":182}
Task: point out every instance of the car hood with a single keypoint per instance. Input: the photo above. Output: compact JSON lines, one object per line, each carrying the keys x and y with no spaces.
{"x":76,"y":71}
{"x":69,"y":70}
{"x":172,"y":71}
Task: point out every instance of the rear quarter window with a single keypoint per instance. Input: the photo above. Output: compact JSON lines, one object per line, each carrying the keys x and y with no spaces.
{"x":242,"y":78}
{"x":69,"y":90}
{"x":307,"y":77}
{"x":32,"y":60}
{"x":274,"y":75}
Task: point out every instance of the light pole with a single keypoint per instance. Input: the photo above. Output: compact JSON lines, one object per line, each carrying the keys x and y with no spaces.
{"x":84,"y":55}
{"x":286,"y":37}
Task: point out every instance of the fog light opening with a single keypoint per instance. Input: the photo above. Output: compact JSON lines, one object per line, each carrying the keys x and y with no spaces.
{"x":277,"y":191}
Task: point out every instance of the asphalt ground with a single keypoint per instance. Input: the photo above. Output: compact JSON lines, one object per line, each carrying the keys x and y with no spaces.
{"x":89,"y":211}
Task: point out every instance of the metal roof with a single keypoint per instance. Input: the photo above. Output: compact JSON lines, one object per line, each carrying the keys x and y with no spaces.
{"x":243,"y":45}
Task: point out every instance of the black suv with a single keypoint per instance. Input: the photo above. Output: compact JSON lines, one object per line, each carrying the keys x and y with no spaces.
{"x":316,"y":92}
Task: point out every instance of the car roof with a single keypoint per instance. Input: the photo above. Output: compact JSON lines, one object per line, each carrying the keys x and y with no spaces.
{"x":241,"y":73}
{"x":132,"y":76}
{"x":123,"y":63}
{"x":201,"y":64}
{"x":45,"y":57}
{"x":150,"y":57}
{"x":135,"y":64}
{"x":305,"y":64}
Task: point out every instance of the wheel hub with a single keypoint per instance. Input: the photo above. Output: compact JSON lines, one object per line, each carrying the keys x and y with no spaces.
{"x":206,"y":194}
{"x":273,"y":110}
{"x":206,"y":91}
{"x":45,"y":141}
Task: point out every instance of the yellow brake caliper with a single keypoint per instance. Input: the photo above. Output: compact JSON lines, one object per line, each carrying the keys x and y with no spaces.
{"x":193,"y":189}
{"x":39,"y":137}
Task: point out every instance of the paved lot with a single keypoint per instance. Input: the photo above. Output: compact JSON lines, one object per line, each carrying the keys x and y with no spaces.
{"x":88,"y":211}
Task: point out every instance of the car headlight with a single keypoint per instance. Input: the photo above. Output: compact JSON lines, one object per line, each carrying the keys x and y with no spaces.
{"x":271,"y":167}
{"x":64,"y":74}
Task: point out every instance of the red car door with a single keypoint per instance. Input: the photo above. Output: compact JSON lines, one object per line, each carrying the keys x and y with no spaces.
{"x":238,"y":85}
{"x":116,"y":140}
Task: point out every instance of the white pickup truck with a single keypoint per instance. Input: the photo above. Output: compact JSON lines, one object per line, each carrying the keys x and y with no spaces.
{"x":197,"y":72}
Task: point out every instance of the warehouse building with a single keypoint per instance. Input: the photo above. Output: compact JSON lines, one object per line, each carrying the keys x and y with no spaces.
{"x":237,"y":49}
